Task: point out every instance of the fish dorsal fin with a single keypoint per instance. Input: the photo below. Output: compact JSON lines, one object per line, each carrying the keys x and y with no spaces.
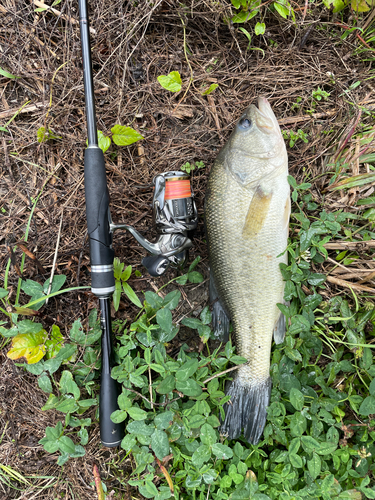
{"x":257,"y":213}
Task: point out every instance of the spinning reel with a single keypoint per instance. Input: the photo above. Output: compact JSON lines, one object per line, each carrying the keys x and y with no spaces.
{"x":174,"y":214}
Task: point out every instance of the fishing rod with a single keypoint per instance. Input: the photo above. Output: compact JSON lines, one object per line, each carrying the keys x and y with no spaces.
{"x":175,"y":216}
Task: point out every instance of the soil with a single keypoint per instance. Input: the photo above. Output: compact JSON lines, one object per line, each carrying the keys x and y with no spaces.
{"x":132,"y":44}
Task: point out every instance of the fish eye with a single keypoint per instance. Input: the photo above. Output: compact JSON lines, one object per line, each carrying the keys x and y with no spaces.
{"x":244,"y":123}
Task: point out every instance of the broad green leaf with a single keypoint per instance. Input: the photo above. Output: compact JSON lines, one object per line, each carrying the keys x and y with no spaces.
{"x":3,"y":293}
{"x":103,"y":141}
{"x":68,"y":386}
{"x":361,"y":5}
{"x":208,"y":435}
{"x":66,"y":445}
{"x":326,"y":448}
{"x":296,"y":398}
{"x":368,"y":406}
{"x":222,"y":451}
{"x":57,"y":283}
{"x":160,"y":444}
{"x":191,"y":322}
{"x":310,"y":443}
{"x":171,"y":82}
{"x":67,"y":405}
{"x":76,"y":333}
{"x":167,"y":385}
{"x":195,"y":277}
{"x":244,"y":16}
{"x":210,"y":89}
{"x":281,"y":9}
{"x":163,"y":420}
{"x":128,"y":442}
{"x":154,"y":300}
{"x":164,"y":319}
{"x":201,"y":455}
{"x":124,"y":136}
{"x":129,"y":292}
{"x":189,"y":387}
{"x":314,"y":466}
{"x":172,"y":299}
{"x":337,"y":5}
{"x":187,"y":370}
{"x":137,"y":413}
{"x":118,"y":416}
{"x":44,"y":383}
{"x":260,"y":28}
{"x":139,"y":427}
{"x":117,"y":295}
{"x":28,"y":345}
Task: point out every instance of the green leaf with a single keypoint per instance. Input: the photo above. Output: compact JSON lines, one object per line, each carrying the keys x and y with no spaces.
{"x":6,"y":73}
{"x":296,"y":398}
{"x":208,"y":435}
{"x":117,"y":295}
{"x":136,"y":413}
{"x":44,"y":383}
{"x":310,"y":443}
{"x":171,"y":82}
{"x":128,"y":442}
{"x":164,"y":319}
{"x":195,"y":277}
{"x":260,"y":28}
{"x":201,"y":456}
{"x":187,"y":370}
{"x":160,"y":444}
{"x":296,"y":460}
{"x":57,"y":283}
{"x":103,"y":141}
{"x":66,"y":445}
{"x":326,"y":448}
{"x":154,"y":300}
{"x":163,"y":420}
{"x":129,"y":292}
{"x":210,"y":89}
{"x":372,"y":387}
{"x":368,"y":406}
{"x":3,"y":293}
{"x":77,"y":334}
{"x":191,"y":322}
{"x":244,"y":16}
{"x":68,"y":386}
{"x":124,"y":136}
{"x":189,"y":388}
{"x":314,"y":466}
{"x":172,"y":299}
{"x":118,"y":416}
{"x":139,"y":427}
{"x":222,"y":451}
{"x":67,"y":405}
{"x":167,"y":385}
{"x":281,"y":9}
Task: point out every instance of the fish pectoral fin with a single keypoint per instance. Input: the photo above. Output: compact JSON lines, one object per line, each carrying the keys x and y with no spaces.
{"x":257,"y":213}
{"x":220,"y":319}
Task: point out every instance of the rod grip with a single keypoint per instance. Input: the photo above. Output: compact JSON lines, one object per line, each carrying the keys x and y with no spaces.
{"x":98,"y":222}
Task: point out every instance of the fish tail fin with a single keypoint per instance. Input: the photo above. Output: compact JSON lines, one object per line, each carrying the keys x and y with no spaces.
{"x":246,"y":410}
{"x":220,"y":319}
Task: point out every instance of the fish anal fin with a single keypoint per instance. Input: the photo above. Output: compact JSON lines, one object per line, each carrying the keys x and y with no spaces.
{"x":257,"y":213}
{"x":220,"y":319}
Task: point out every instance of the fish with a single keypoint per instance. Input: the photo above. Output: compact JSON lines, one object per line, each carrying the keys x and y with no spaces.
{"x":247,"y":210}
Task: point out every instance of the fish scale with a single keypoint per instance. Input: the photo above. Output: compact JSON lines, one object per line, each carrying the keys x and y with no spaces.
{"x":246,"y":214}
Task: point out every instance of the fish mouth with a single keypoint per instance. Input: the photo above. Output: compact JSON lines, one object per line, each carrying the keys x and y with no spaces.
{"x":264,"y":116}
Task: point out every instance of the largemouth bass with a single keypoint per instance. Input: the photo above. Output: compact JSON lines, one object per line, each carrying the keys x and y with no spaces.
{"x":247,"y":209}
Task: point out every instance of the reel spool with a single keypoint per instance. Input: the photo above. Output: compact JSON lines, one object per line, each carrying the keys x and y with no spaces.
{"x":175,"y":215}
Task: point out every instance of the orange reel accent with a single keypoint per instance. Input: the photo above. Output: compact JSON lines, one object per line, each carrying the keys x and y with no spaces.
{"x":176,"y":189}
